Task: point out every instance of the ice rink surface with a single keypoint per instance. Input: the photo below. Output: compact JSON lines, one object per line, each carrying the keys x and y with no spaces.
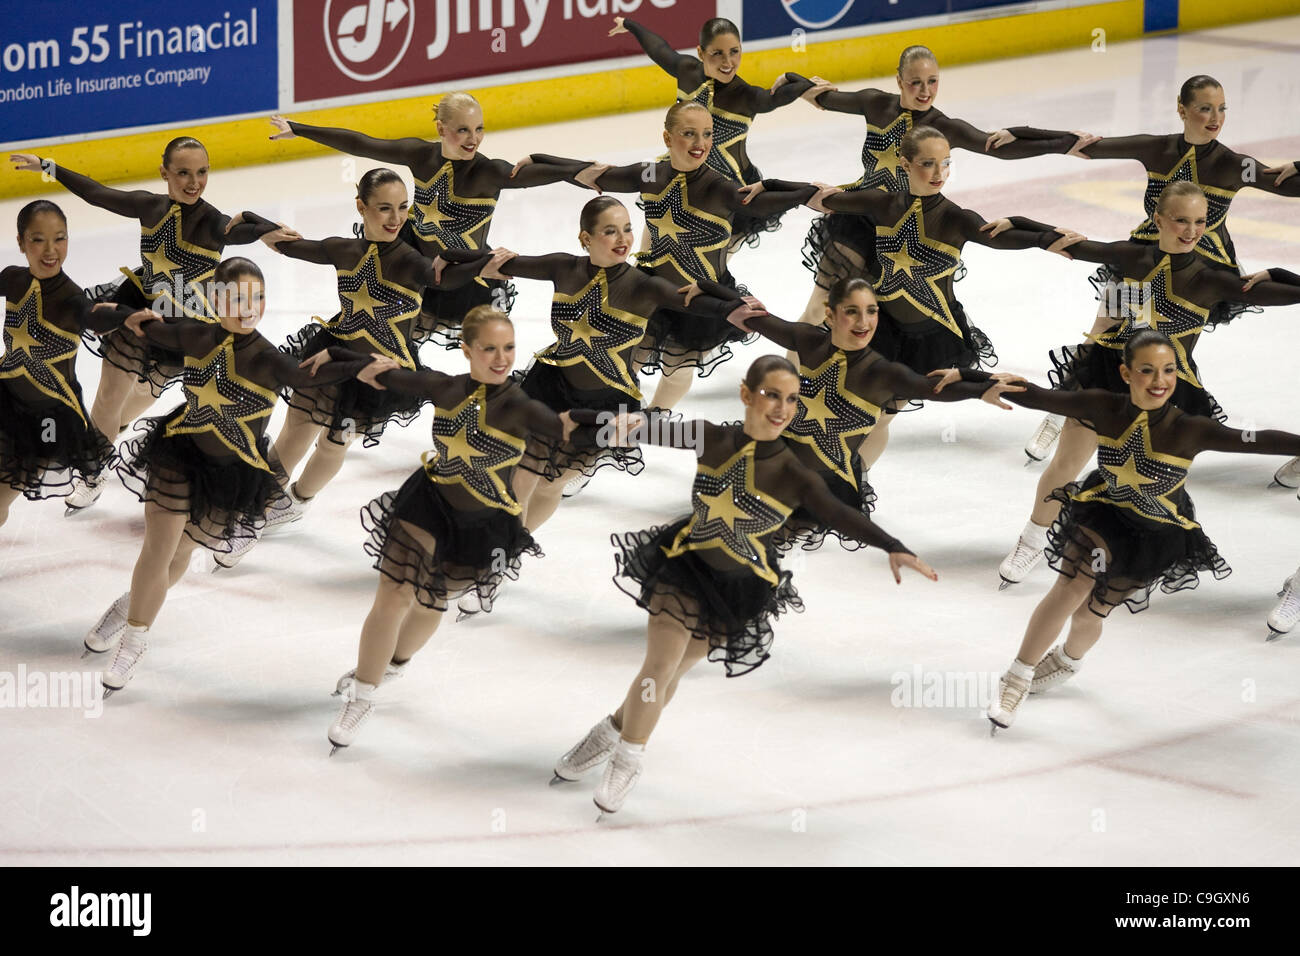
{"x":1177,"y":745}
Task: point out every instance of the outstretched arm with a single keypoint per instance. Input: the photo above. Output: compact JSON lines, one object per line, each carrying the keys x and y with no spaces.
{"x":764,"y":101}
{"x":247,"y":227}
{"x":1209,"y":435}
{"x":129,"y":204}
{"x":422,"y":382}
{"x":406,"y":151}
{"x":655,"y":46}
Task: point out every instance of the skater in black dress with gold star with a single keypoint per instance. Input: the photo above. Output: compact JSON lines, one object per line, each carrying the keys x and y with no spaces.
{"x":1130,"y":526}
{"x":453,"y":528}
{"x":47,"y":437}
{"x":711,"y":581}
{"x":205,"y":470}
{"x":711,"y":80}
{"x":599,"y":314}
{"x":456,"y":193}
{"x":181,"y":238}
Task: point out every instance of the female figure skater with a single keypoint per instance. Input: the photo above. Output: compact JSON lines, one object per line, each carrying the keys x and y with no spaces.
{"x":47,"y":437}
{"x":711,"y":582}
{"x":844,"y":387}
{"x":1195,"y":155}
{"x":1168,"y":286}
{"x":456,"y":192}
{"x":841,"y":246}
{"x":204,"y":470}
{"x":454,"y":527}
{"x":919,"y":235}
{"x":181,"y":238}
{"x":689,"y":209}
{"x":599,"y":314}
{"x":1130,"y":526}
{"x":711,"y":79}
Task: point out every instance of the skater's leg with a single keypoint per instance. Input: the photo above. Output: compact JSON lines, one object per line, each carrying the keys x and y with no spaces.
{"x":137,"y":403}
{"x":296,"y":436}
{"x":1067,"y":596}
{"x":1085,"y":629}
{"x":666,"y":645}
{"x":323,"y":465}
{"x":546,"y":498}
{"x":163,"y":531}
{"x":1077,"y":444}
{"x":114,"y":388}
{"x":416,"y":629}
{"x":181,"y":560}
{"x":7,"y":496}
{"x":673,"y":386}
{"x":524,"y":484}
{"x":379,"y":633}
{"x":696,"y":651}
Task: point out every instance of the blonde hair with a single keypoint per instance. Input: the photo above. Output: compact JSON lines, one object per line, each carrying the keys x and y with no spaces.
{"x":915,"y":53}
{"x":479,"y":317}
{"x":671,"y":119}
{"x":910,"y":145}
{"x":453,"y":103}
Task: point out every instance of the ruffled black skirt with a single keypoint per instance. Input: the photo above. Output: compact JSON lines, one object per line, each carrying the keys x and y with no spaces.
{"x":732,"y":610}
{"x":443,"y":310}
{"x":585,"y":451}
{"x":675,"y":340}
{"x":840,"y":246}
{"x":1095,"y":366}
{"x":802,"y":529}
{"x":225,"y":498}
{"x":350,"y":409}
{"x":44,"y":446}
{"x":1141,"y":558}
{"x":926,"y":346}
{"x":458,"y":552}
{"x":151,"y":364}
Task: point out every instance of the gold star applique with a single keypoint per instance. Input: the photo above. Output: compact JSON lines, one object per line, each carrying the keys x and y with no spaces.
{"x":442,"y":218}
{"x":913,"y":264}
{"x":1153,"y":298}
{"x":880,"y":166}
{"x":728,"y":130}
{"x":174,"y":269}
{"x":1137,"y":477}
{"x":730,"y":513}
{"x":591,"y":332}
{"x":1218,"y":200}
{"x":372,"y":309}
{"x":691,"y":233}
{"x":35,"y":347}
{"x":221,"y":402}
{"x":830,"y":415}
{"x":473,"y":454}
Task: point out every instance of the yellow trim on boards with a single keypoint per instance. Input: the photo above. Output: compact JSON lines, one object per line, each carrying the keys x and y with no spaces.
{"x":1199,"y":14}
{"x":245,"y":142}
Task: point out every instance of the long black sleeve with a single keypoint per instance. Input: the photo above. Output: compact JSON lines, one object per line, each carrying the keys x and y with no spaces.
{"x":404,"y":151}
{"x":129,"y":204}
{"x":345,"y":364}
{"x":252,"y":228}
{"x":657,"y":48}
{"x":830,"y":511}
{"x":1209,"y":435}
{"x":421,"y":382}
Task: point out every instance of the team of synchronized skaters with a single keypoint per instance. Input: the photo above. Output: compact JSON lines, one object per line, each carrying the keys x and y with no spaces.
{"x":882,"y":331}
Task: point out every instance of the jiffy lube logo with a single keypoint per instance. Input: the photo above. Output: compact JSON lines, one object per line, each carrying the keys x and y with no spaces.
{"x":816,"y":14}
{"x":367,"y":38}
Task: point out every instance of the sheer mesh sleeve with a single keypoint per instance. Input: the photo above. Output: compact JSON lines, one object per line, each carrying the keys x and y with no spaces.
{"x":830,"y":511}
{"x":658,"y":49}
{"x":1208,"y":435}
{"x":407,"y":152}
{"x":135,"y":204}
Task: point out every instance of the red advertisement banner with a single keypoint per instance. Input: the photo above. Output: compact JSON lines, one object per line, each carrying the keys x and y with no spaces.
{"x":345,"y":47}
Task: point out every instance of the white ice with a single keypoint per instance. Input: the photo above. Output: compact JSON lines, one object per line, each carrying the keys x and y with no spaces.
{"x":1177,"y":744}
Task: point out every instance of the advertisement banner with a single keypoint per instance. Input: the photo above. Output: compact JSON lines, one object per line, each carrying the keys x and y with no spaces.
{"x":69,"y":67}
{"x":765,"y":19}
{"x":349,"y":47}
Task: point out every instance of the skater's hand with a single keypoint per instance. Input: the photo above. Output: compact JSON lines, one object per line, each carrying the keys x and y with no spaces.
{"x":996,"y":227}
{"x":316,"y":361}
{"x":753,"y":303}
{"x":235,"y":220}
{"x":282,"y":124}
{"x":998,"y":138}
{"x":566,"y":420}
{"x":817,"y":203}
{"x":1251,"y":281}
{"x":439,"y":263}
{"x":779,"y":82}
{"x":624,"y":426}
{"x":25,"y":162}
{"x":136,"y":320}
{"x":1284,"y":172}
{"x":588,"y":176}
{"x":283,"y":234}
{"x":737,"y":317}
{"x":690,"y":291}
{"x":1083,"y":142}
{"x":618,"y":27}
{"x":900,"y":559}
{"x":822,"y":87}
{"x":520,"y":165}
{"x":992,"y":393}
{"x":380,"y":365}
{"x":946,"y":377}
{"x":1068,"y":238}
{"x":749,"y":192}
{"x":500,"y":257}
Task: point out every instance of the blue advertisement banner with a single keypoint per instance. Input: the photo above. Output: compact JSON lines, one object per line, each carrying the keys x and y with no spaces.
{"x":70,"y":67}
{"x":774,"y":18}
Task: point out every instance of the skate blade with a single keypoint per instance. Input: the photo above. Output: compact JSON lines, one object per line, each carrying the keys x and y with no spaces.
{"x":1273,"y":635}
{"x":1005,"y":584}
{"x":90,"y":651}
{"x":109,"y":692}
{"x":558,"y":781}
{"x":994,"y":727}
{"x":335,"y":748}
{"x":1032,"y":460}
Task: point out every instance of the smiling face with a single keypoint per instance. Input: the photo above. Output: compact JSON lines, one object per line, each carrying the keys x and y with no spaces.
{"x":45,"y":244}
{"x":1182,"y":223}
{"x":386,"y":211}
{"x":721,"y":58}
{"x":1204,"y":117}
{"x":918,"y":84}
{"x":492,"y":353}
{"x":1152,"y":377}
{"x":610,"y":240}
{"x":772,"y":406}
{"x":462,"y":134}
{"x":690,"y":141}
{"x":927,"y":173}
{"x":186,"y":174}
{"x":239,"y":304}
{"x":853,"y":321}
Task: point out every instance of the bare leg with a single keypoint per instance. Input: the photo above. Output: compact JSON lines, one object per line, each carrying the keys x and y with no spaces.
{"x":673,"y":386}
{"x":110,"y":398}
{"x":181,"y":560}
{"x":696,"y":651}
{"x":296,"y":436}
{"x":137,"y":402}
{"x":7,"y":497}
{"x":417,"y":627}
{"x":1085,"y":630}
{"x":379,"y":633}
{"x":523,"y":484}
{"x":1067,"y":596}
{"x":323,"y":465}
{"x":1077,"y":444}
{"x":546,"y":497}
{"x":666,"y":644}
{"x":163,"y":531}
